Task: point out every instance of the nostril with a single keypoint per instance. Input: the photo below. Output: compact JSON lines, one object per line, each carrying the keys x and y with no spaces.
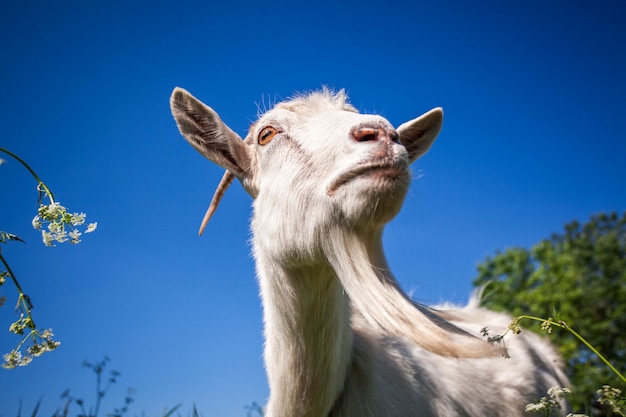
{"x":368,"y":137}
{"x":366,"y":134}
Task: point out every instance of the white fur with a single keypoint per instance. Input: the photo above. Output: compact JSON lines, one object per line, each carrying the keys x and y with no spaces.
{"x":342,"y":339}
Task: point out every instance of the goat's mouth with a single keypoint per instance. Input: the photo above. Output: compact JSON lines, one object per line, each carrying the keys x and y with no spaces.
{"x":389,"y":170}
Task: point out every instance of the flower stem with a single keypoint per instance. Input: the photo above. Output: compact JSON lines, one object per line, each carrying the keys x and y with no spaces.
{"x":564,"y":325}
{"x":23,"y":299}
{"x":6,"y":265}
{"x":40,"y":183}
{"x":594,"y":350}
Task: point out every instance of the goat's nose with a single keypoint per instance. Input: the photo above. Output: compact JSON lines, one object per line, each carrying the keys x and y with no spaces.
{"x":369,"y":133}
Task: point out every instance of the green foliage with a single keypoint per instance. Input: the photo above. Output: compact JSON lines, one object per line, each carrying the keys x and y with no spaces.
{"x":581,"y":274}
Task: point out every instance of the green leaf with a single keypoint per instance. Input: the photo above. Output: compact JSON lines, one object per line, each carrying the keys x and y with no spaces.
{"x":6,"y":237}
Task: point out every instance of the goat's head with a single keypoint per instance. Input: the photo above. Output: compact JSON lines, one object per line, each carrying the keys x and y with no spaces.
{"x":312,"y":158}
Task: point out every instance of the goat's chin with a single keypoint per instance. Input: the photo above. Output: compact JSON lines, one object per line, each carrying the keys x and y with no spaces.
{"x":372,"y":200}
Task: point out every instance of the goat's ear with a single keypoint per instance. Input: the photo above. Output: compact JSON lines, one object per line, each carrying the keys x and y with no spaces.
{"x":204,"y":130}
{"x":418,"y":135}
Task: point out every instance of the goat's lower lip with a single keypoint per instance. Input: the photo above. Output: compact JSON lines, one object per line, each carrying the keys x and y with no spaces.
{"x":386,"y":169}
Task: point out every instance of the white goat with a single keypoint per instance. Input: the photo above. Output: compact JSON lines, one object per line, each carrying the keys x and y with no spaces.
{"x":342,"y":339}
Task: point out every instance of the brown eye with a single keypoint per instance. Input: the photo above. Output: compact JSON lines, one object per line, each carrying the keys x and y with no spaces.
{"x":266,"y":135}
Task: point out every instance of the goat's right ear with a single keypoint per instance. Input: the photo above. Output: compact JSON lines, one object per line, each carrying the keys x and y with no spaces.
{"x":418,"y":135}
{"x":204,"y":130}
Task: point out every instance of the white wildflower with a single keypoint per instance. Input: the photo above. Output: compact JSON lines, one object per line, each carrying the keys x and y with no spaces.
{"x":52,"y":212}
{"x":558,"y":392}
{"x":534,"y":407}
{"x":37,"y":222}
{"x":51,"y":345}
{"x":61,"y":225}
{"x":36,"y":350}
{"x":60,"y":236}
{"x":75,"y":236}
{"x":78,"y":219}
{"x":14,"y":359}
{"x":55,"y":228}
{"x":47,"y":238}
{"x":47,"y":334}
{"x":25,"y":360}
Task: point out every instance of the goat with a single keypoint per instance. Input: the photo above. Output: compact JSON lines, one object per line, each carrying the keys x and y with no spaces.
{"x":342,"y":338}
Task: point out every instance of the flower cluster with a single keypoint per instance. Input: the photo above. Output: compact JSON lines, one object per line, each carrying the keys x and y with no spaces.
{"x":556,"y":396}
{"x":43,"y":343}
{"x":546,"y":326}
{"x":613,"y":399}
{"x":62,"y":226}
{"x":24,"y":322}
{"x":41,"y":339}
{"x":14,"y":358}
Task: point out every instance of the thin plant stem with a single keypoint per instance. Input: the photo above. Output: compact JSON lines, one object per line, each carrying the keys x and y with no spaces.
{"x":30,"y":334}
{"x":40,"y":183}
{"x":6,"y":265}
{"x":98,"y":392}
{"x":564,"y":325}
{"x":22,"y":298}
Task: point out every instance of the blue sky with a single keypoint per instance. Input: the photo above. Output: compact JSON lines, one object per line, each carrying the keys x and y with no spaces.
{"x":534,"y":96}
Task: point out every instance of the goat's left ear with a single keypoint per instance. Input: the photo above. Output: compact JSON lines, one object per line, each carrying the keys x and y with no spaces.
{"x":418,"y":135}
{"x":205,"y":131}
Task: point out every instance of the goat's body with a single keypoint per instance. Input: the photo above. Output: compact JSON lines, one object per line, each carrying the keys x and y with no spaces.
{"x":342,"y":339}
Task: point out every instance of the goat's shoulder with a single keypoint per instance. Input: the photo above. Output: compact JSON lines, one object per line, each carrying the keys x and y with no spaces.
{"x":393,"y":376}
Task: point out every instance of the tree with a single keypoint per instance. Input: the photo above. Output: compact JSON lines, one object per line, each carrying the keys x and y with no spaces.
{"x":578,"y":277}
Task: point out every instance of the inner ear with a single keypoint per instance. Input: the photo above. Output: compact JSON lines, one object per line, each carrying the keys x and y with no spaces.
{"x":418,"y":135}
{"x":202,"y":127}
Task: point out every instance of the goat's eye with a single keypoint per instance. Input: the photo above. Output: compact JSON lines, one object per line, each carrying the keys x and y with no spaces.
{"x":266,"y":135}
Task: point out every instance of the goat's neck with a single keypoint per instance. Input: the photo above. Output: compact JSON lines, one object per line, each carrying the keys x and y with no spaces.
{"x":307,"y":308}
{"x":374,"y":293}
{"x":308,"y":337}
